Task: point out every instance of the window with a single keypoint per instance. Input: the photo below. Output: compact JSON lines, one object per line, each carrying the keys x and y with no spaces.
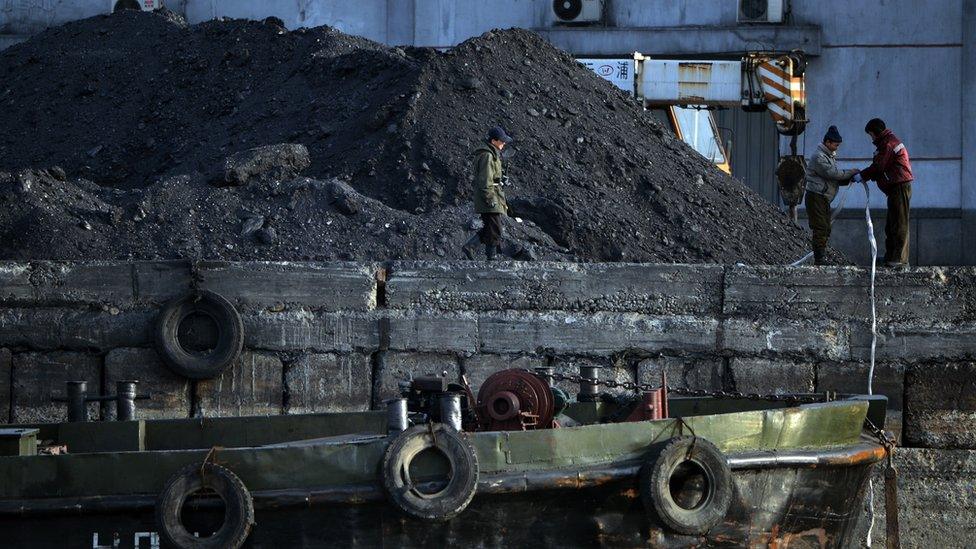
{"x":698,"y":129}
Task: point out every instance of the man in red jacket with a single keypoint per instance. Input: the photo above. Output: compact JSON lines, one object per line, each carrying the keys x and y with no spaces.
{"x":892,"y":170}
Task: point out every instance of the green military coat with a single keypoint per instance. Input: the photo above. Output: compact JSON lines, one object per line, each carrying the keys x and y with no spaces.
{"x":488,"y":194}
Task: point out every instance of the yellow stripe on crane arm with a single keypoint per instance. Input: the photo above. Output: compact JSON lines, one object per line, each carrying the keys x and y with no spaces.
{"x":777,"y":86}
{"x":771,"y":67}
{"x":783,"y":104}
{"x":778,"y":110}
{"x":778,"y":83}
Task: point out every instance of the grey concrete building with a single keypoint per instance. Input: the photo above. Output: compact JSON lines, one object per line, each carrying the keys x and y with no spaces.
{"x":910,"y":62}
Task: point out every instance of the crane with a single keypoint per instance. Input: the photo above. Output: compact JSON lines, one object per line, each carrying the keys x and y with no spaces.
{"x":682,"y":92}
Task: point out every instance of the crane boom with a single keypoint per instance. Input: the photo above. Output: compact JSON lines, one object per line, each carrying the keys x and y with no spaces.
{"x":756,"y":82}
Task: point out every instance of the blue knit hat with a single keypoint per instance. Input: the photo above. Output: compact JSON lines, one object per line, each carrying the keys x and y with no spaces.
{"x":833,"y":135}
{"x":498,"y":133}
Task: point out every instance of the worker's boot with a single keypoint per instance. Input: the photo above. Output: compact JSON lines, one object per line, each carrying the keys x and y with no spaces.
{"x":468,"y":247}
{"x":490,"y":251}
{"x":820,"y":256}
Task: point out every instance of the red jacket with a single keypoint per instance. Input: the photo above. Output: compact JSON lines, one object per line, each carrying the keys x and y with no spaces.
{"x":891,"y":165}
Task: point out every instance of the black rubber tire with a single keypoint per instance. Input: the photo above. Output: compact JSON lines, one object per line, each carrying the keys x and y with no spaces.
{"x":238,"y":508}
{"x":199,"y":365}
{"x":452,"y":499}
{"x":656,"y":493}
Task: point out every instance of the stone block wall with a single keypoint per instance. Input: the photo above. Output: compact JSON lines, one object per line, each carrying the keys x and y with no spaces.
{"x":342,"y":336}
{"x":94,"y":321}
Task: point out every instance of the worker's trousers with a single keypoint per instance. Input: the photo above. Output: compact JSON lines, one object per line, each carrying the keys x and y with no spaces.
{"x":491,"y":232}
{"x":818,"y":214}
{"x":896,"y":225}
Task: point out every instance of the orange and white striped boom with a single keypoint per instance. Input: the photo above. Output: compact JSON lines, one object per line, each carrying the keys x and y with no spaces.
{"x":777,"y":84}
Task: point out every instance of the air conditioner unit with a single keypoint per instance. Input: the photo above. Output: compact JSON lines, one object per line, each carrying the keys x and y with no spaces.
{"x":144,"y":5}
{"x":578,"y":11}
{"x":760,"y":11}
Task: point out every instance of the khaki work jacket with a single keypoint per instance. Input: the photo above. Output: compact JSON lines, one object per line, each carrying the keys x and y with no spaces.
{"x":488,"y":194}
{"x":823,"y":176}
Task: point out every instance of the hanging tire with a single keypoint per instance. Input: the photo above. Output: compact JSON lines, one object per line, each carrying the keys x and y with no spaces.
{"x":238,"y":508}
{"x":688,"y":485}
{"x":206,"y":360}
{"x":450,"y":500}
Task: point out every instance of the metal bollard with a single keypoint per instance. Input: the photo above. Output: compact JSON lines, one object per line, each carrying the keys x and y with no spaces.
{"x":545,"y":373}
{"x":125,"y":405}
{"x":451,"y":410}
{"x":589,"y":390}
{"x":77,"y":397}
{"x":396,"y":416}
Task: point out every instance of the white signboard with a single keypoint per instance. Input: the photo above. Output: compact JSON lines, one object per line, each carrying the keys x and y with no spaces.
{"x":691,"y":82}
{"x":620,"y":72}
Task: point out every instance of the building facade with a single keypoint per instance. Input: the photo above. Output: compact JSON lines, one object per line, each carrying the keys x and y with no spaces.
{"x":909,"y":62}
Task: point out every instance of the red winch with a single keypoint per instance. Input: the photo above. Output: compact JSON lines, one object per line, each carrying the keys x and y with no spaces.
{"x":515,"y":400}
{"x":522,"y":400}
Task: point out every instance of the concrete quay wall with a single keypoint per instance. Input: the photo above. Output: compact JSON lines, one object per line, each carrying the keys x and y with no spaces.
{"x":340,"y":336}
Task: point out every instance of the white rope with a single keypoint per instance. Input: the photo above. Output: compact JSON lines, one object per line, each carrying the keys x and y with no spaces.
{"x":874,"y":314}
{"x":802,"y":260}
{"x":833,"y":216}
{"x":874,"y":334}
{"x":874,"y":261}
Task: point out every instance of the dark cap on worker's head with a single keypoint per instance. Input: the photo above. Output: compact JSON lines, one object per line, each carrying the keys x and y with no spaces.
{"x":498,"y":133}
{"x":875,"y":126}
{"x":833,"y":135}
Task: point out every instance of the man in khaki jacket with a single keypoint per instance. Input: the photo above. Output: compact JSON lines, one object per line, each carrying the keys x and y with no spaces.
{"x":489,"y":198}
{"x":823,"y":178}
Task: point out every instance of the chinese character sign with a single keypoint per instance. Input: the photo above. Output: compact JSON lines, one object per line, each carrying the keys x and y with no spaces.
{"x":619,"y":72}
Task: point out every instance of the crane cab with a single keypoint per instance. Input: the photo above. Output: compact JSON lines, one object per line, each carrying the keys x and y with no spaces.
{"x":696,"y":127}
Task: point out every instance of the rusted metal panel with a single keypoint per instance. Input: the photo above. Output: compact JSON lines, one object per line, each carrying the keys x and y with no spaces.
{"x":691,"y":82}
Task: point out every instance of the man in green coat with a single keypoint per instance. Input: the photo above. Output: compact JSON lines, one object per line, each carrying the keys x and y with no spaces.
{"x":489,"y":198}
{"x":823,"y":178}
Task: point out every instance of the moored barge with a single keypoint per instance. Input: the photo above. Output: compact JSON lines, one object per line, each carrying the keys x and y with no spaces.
{"x":517,"y":465}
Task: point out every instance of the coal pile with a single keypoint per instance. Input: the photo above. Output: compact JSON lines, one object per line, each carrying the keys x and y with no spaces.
{"x":137,"y":136}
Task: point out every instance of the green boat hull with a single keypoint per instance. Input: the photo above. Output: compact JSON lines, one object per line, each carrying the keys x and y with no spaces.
{"x":798,"y":473}
{"x":796,"y":507}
